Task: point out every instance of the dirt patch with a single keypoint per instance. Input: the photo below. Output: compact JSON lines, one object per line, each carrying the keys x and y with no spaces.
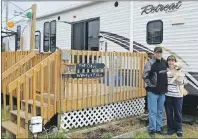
{"x":124,"y":126}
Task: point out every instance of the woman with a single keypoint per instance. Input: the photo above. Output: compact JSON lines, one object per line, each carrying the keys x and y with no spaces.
{"x":174,"y":101}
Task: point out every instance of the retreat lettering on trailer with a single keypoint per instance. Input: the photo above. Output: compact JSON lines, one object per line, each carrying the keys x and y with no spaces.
{"x":159,"y":8}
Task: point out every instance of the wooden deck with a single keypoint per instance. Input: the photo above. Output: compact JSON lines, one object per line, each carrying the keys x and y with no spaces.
{"x":47,"y":92}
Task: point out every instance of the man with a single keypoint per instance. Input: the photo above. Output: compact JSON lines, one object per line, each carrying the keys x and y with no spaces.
{"x":155,"y":78}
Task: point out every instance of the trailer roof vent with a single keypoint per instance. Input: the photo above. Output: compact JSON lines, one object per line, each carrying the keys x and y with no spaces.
{"x":116,"y":4}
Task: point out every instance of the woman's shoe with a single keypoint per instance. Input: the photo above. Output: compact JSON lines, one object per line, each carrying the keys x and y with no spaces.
{"x":179,"y":134}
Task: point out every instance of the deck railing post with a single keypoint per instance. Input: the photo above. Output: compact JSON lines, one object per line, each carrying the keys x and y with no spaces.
{"x":18,"y":107}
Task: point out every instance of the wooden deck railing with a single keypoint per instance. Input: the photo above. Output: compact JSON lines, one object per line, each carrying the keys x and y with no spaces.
{"x":22,"y":66}
{"x":10,"y":58}
{"x":122,"y":80}
{"x":48,"y":86}
{"x":30,"y":93}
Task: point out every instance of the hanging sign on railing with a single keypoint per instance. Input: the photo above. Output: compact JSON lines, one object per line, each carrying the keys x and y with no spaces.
{"x":88,"y":75}
{"x":90,"y":66}
{"x":70,"y":70}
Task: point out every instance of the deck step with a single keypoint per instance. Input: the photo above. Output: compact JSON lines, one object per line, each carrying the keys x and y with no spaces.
{"x":45,"y":98}
{"x":12,"y":127}
{"x":22,"y":114}
{"x":38,"y":103}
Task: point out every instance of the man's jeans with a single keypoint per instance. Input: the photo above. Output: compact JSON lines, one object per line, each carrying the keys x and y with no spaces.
{"x":173,"y":107}
{"x":155,"y":108}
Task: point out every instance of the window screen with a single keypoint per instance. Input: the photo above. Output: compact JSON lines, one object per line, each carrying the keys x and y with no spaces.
{"x":46,"y":37}
{"x":78,"y":36}
{"x":93,"y":33}
{"x":53,"y":36}
{"x":37,"y":39}
{"x":18,"y":37}
{"x":155,"y":32}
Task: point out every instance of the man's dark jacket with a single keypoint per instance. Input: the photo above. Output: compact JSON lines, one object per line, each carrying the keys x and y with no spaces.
{"x":155,"y":76}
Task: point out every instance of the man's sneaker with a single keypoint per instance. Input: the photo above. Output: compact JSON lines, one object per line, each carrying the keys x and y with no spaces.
{"x":152,"y":133}
{"x":170,"y":132}
{"x":179,"y":134}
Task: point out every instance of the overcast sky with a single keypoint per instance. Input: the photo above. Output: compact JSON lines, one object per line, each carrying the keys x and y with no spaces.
{"x":42,"y":7}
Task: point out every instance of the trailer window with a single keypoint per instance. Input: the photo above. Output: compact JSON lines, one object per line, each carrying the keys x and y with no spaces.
{"x":18,"y":37}
{"x":93,"y":35}
{"x":85,"y":35}
{"x":154,"y":32}
{"x":37,"y":40}
{"x":46,"y":37}
{"x":53,"y":36}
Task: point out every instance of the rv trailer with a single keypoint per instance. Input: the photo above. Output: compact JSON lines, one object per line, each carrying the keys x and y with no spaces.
{"x":136,"y":26}
{"x":173,"y":26}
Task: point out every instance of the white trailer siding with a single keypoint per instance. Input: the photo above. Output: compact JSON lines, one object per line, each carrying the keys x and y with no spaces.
{"x":114,"y":20}
{"x":181,"y":39}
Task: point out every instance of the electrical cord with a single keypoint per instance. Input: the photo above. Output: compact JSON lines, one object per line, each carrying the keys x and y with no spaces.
{"x":16,"y":6}
{"x":17,"y":15}
{"x":49,"y":132}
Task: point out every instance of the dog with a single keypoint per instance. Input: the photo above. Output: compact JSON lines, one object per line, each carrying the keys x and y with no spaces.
{"x":179,"y":76}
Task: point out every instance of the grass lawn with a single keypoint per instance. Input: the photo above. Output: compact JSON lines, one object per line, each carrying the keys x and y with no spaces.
{"x":189,"y":131}
{"x":2,"y":114}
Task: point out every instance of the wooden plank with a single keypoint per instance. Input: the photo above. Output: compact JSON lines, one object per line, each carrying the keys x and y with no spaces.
{"x":128,"y":92}
{"x":83,"y":87}
{"x":18,"y":64}
{"x":33,"y":28}
{"x":145,"y":57}
{"x":22,"y":114}
{"x":38,"y":104}
{"x":56,"y":82}
{"x":110,"y":77}
{"x":101,"y":81}
{"x":117,"y":74}
{"x":131,"y":75}
{"x":65,"y":91}
{"x":79,"y":102}
{"x":12,"y":127}
{"x":34,"y":92}
{"x":140,"y":74}
{"x":26,"y":105}
{"x":105,"y":92}
{"x":93,"y":102}
{"x":88,"y":88}
{"x":135,"y":71}
{"x":134,"y":82}
{"x":18,"y":107}
{"x":13,"y":85}
{"x":124,"y":54}
{"x":94,"y":93}
{"x":72,"y":89}
{"x":137,"y":75}
{"x":49,"y":87}
{"x":42,"y":90}
{"x":121,"y":96}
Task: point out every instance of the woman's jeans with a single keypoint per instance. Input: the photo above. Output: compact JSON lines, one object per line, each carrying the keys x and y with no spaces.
{"x":155,"y":108}
{"x":173,"y":106}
